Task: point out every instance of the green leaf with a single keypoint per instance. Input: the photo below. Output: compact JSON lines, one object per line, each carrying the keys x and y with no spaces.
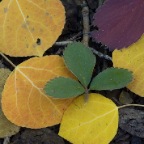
{"x":111,"y":78}
{"x":61,"y":87}
{"x":80,"y":61}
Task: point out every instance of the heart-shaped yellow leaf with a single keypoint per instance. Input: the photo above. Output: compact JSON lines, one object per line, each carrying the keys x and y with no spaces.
{"x":30,"y":27}
{"x":92,"y":122}
{"x":24,"y":101}
{"x":132,"y":58}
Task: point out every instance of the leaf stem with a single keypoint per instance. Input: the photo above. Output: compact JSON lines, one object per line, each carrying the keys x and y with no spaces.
{"x":129,"y":105}
{"x":86,"y":28}
{"x":86,"y":97}
{"x":9,"y":61}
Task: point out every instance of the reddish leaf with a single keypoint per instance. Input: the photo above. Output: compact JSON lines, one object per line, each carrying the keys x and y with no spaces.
{"x":120,"y":23}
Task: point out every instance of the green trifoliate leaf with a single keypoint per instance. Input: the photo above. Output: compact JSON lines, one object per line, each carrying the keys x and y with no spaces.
{"x":80,"y":61}
{"x":111,"y":78}
{"x":61,"y":87}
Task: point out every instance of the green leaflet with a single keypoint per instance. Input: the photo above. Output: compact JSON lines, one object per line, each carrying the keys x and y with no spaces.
{"x":111,"y":78}
{"x":61,"y":87}
{"x":80,"y":61}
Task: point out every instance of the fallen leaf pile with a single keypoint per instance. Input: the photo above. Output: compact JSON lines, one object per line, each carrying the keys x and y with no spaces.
{"x":29,"y":28}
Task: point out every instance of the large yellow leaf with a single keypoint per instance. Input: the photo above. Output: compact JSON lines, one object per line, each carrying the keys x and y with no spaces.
{"x":23,"y":99}
{"x":92,"y":122}
{"x":30,"y":27}
{"x":6,"y":127}
{"x":132,"y":58}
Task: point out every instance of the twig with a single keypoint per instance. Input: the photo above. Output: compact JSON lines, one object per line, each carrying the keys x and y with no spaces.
{"x":8,"y":60}
{"x":86,"y":28}
{"x":101,"y":55}
{"x":6,"y":140}
{"x":104,"y":63}
{"x":63,"y":43}
{"x":75,"y":37}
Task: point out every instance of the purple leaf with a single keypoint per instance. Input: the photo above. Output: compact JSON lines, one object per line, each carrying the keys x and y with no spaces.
{"x":120,"y":23}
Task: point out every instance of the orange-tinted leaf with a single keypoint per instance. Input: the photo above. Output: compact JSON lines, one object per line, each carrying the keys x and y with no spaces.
{"x":23,"y":99}
{"x":132,"y":59}
{"x":30,"y":27}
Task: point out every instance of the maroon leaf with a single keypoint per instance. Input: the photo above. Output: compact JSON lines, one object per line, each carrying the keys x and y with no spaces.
{"x":120,"y":23}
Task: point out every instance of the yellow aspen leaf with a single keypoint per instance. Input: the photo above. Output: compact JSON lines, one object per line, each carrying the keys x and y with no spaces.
{"x":30,"y":27}
{"x":132,"y":58}
{"x":6,"y":127}
{"x":24,"y":101}
{"x":92,"y":122}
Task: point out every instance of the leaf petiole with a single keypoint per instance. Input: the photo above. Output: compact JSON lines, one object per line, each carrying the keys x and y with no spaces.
{"x":86,"y":95}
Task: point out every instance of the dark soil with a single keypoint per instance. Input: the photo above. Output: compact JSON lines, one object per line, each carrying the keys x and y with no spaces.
{"x":131,"y":125}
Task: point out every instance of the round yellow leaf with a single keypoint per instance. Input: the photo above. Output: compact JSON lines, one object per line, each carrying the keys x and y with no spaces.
{"x":24,"y":101}
{"x":30,"y":27}
{"x":92,"y":122}
{"x":132,"y":58}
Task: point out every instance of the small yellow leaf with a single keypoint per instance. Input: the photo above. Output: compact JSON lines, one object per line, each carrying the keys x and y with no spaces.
{"x":24,"y":101}
{"x":92,"y":122}
{"x":132,"y":58}
{"x":30,"y":27}
{"x":6,"y":127}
